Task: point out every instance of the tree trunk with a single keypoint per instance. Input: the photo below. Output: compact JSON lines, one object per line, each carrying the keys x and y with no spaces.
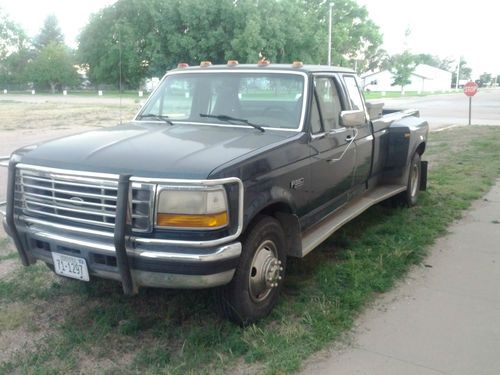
{"x":53,"y":87}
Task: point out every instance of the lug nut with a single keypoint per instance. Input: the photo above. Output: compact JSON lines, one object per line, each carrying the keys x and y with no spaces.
{"x":279,"y":277}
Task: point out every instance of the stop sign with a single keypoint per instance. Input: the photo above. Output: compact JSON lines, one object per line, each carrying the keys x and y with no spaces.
{"x":470,"y":88}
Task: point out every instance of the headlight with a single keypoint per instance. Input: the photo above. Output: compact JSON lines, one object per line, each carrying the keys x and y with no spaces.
{"x":195,"y":208}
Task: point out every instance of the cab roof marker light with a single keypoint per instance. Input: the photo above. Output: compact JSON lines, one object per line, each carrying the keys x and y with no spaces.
{"x":263,"y":62}
{"x":205,"y":64}
{"x":182,"y":65}
{"x":232,"y":62}
{"x":297,"y":64}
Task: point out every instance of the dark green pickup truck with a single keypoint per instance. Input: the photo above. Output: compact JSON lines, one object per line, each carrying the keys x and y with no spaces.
{"x":224,"y":173}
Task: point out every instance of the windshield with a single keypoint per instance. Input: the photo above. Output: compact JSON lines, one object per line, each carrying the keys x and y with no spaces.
{"x":271,"y":100}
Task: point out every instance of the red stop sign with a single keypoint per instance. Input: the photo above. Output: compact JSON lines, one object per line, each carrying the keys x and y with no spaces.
{"x":470,"y":88}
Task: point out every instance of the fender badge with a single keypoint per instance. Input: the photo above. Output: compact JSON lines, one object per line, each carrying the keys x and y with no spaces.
{"x":295,"y":184}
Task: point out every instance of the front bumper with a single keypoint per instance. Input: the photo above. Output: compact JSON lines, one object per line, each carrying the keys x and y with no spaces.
{"x":164,"y":266}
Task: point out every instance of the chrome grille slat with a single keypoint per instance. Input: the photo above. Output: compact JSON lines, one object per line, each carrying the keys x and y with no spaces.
{"x":63,"y":208}
{"x":80,"y":200}
{"x":84,"y":221}
{"x":69,"y":200}
{"x":71,"y":192}
{"x":70,"y":183}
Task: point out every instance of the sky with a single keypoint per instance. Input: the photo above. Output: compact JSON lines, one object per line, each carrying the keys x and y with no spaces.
{"x":446,"y":28}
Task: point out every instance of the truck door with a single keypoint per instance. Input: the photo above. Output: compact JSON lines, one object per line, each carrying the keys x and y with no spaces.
{"x":364,"y":137}
{"x":332,"y":151}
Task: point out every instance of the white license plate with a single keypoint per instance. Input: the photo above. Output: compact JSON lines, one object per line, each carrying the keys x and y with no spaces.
{"x":74,"y":267}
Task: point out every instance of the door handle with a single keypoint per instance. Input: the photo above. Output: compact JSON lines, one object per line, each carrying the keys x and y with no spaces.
{"x":349,"y":138}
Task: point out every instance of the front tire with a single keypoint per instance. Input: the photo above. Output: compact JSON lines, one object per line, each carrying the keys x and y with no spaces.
{"x":255,"y":287}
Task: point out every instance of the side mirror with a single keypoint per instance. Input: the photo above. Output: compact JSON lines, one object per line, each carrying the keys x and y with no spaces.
{"x":352,"y":119}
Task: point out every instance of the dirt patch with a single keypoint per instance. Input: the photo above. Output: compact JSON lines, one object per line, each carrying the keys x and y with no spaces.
{"x":7,"y":267}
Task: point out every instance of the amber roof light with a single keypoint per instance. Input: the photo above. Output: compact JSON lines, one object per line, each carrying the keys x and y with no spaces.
{"x":205,"y":64}
{"x":232,"y":62}
{"x":297,"y":64}
{"x":182,"y":65}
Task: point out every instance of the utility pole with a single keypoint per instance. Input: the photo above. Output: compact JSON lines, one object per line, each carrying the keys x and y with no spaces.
{"x":458,"y":72}
{"x":330,"y":36}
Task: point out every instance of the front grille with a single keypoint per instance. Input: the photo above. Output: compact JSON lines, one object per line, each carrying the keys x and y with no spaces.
{"x":79,"y":200}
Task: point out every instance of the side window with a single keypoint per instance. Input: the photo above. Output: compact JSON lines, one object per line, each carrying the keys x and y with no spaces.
{"x":353,"y":91}
{"x":329,"y":102}
{"x":315,"y":118}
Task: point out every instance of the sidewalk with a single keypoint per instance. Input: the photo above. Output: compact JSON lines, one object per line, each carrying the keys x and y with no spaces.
{"x":443,"y":319}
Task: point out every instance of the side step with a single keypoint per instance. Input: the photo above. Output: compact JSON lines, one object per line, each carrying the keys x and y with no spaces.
{"x":320,"y":232}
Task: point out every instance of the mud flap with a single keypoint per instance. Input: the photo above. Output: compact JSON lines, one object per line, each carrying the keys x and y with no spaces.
{"x":423,"y":175}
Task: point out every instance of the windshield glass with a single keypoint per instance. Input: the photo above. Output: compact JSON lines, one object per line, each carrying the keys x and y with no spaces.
{"x":272,"y":100}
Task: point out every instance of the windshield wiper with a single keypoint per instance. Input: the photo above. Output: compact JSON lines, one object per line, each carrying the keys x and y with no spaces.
{"x":230,"y":119}
{"x":157,"y":117}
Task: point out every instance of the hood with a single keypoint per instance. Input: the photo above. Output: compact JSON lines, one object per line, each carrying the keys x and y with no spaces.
{"x":151,"y":150}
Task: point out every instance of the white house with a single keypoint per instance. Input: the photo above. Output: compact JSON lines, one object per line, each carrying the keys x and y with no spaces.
{"x":423,"y":78}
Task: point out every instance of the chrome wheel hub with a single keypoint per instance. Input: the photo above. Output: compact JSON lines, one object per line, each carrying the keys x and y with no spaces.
{"x":414,"y":180}
{"x":265,"y":271}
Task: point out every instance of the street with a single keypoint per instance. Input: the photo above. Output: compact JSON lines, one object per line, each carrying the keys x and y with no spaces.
{"x":453,"y":109}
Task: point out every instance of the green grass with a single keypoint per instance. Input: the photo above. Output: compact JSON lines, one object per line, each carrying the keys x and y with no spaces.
{"x":397,"y":94}
{"x":177,"y":332}
{"x":86,"y":93}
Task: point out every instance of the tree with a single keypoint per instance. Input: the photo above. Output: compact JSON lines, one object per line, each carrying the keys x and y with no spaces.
{"x":485,"y":79}
{"x":158,"y":34}
{"x":49,"y":33}
{"x":14,"y":51}
{"x":402,"y":66}
{"x":432,"y":60}
{"x":465,"y":72}
{"x":53,"y":67}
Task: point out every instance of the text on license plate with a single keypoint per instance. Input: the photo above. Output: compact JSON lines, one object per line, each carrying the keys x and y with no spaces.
{"x":70,"y":266}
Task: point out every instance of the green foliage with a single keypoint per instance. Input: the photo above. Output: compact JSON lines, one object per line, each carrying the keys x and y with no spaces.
{"x":402,"y":66}
{"x":465,"y":72}
{"x":154,"y":36}
{"x":14,"y":52}
{"x":11,"y":36}
{"x":485,"y":78}
{"x":53,"y":67}
{"x":50,"y":33}
{"x":432,"y":60}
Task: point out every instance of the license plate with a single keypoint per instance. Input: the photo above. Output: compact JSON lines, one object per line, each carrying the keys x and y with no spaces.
{"x":69,"y":266}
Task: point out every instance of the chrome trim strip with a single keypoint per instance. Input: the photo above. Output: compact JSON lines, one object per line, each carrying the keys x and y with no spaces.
{"x":73,"y":241}
{"x":75,"y":210}
{"x":32,"y":220}
{"x":70,"y":172}
{"x":64,"y":181}
{"x":71,"y":218}
{"x":229,"y":251}
{"x":3,"y":208}
{"x":225,"y":125}
{"x":232,"y":250}
{"x":45,"y":198}
{"x":72,"y":192}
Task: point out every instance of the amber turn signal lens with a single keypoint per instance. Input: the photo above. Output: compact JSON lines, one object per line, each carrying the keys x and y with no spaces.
{"x":207,"y":221}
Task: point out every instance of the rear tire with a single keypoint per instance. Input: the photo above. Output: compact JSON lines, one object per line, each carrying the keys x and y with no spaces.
{"x":255,"y":287}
